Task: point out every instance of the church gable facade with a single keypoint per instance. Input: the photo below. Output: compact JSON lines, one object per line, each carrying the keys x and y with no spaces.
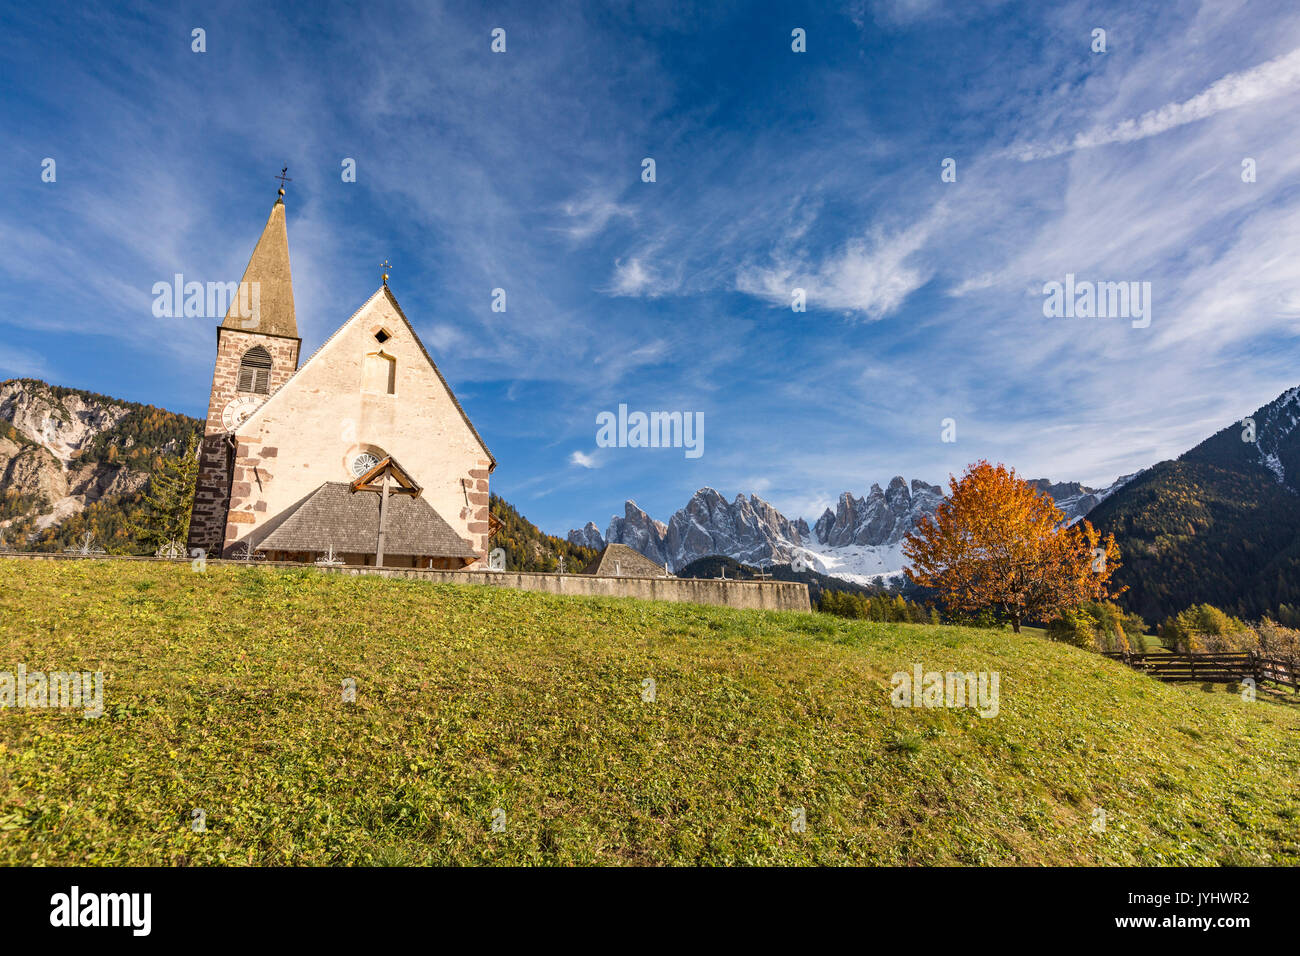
{"x":362,"y":454}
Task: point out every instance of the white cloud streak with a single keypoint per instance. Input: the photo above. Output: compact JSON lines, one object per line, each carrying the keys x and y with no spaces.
{"x":1262,"y":82}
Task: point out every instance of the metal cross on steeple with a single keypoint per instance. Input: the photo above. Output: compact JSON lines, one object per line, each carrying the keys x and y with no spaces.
{"x":385,"y":266}
{"x":283,"y":179}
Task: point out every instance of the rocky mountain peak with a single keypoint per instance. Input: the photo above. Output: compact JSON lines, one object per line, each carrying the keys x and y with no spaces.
{"x":638,"y":530}
{"x":883,"y":517}
{"x":588,"y":536}
{"x":752,"y":531}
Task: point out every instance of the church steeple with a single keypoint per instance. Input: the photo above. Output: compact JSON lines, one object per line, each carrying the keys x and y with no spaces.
{"x":257,"y":352}
{"x":269,"y":268}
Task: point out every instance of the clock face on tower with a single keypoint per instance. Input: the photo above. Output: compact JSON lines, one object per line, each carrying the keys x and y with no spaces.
{"x":237,"y":411}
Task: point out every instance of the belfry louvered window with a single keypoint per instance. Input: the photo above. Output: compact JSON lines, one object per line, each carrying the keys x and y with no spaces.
{"x":255,"y":371}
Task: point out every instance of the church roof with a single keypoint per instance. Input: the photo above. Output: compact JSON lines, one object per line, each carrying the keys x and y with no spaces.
{"x":618,"y":560}
{"x":269,"y":268}
{"x":335,"y":516}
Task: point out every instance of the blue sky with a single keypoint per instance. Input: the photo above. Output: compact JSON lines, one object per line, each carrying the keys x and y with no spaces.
{"x":775,"y":170}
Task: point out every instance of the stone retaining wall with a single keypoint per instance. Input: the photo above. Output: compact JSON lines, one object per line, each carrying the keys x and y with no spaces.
{"x":753,"y":595}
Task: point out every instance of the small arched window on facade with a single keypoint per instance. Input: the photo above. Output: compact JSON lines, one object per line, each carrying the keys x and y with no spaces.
{"x":255,"y":371}
{"x":380,"y":374}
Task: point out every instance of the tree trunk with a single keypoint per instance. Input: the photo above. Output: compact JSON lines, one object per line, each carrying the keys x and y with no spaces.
{"x":1015,"y":625}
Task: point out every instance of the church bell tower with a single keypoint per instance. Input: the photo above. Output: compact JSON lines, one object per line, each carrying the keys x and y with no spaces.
{"x":257,"y":352}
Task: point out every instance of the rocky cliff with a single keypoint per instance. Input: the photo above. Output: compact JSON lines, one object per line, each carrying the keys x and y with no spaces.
{"x":63,"y":449}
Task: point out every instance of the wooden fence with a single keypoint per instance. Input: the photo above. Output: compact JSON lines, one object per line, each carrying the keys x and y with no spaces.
{"x":1216,"y":668}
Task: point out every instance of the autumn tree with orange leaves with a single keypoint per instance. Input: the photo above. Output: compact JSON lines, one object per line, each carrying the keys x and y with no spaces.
{"x":998,"y":544}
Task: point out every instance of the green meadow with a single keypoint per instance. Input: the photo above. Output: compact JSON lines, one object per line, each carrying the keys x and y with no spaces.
{"x":492,"y":726}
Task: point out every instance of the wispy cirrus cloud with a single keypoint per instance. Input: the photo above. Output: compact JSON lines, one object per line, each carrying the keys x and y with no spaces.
{"x":22,"y":363}
{"x":1274,"y":78}
{"x":872,"y":276}
{"x":588,"y":215}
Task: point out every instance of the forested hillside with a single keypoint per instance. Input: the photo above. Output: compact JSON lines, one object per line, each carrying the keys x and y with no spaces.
{"x":529,"y":549}
{"x":1220,"y":524}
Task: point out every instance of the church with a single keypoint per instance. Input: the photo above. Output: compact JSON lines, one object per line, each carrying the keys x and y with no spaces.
{"x":360,"y":455}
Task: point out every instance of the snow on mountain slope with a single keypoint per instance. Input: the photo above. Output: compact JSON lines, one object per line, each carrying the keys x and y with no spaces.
{"x":857,"y":564}
{"x":1277,"y":422}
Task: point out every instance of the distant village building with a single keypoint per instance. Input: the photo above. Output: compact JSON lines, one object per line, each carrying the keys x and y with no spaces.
{"x":361,"y":453}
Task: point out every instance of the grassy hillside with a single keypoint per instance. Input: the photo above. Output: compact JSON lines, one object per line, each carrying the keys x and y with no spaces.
{"x":223,"y":693}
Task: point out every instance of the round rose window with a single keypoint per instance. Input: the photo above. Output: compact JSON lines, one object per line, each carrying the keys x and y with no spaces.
{"x":363,"y":463}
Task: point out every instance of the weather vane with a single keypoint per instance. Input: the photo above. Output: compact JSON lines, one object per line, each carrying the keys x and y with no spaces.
{"x":385,"y":266}
{"x":283,"y":179}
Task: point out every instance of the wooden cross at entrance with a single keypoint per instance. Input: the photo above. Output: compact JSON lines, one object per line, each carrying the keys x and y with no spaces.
{"x":386,"y":477}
